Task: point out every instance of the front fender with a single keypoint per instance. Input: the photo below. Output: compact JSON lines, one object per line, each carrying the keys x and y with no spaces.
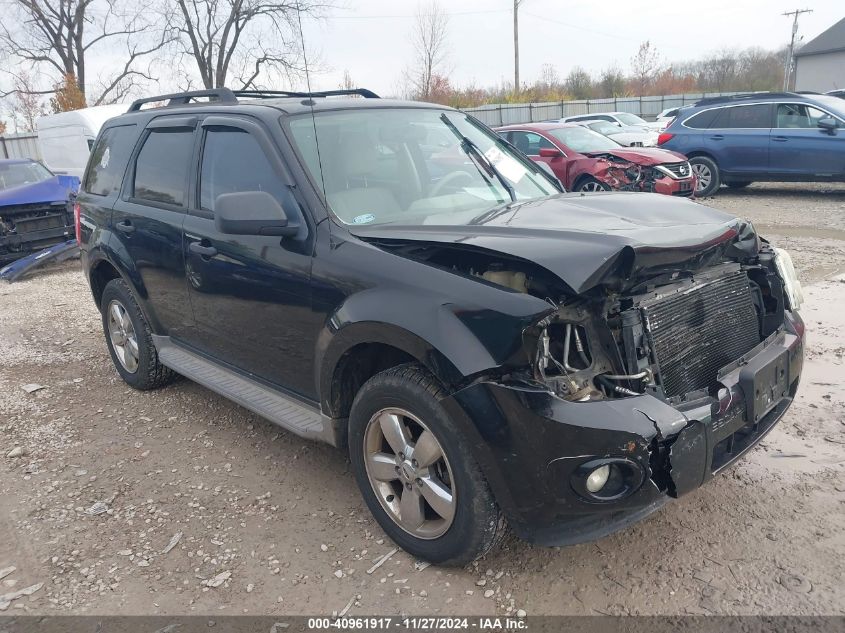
{"x":452,"y":339}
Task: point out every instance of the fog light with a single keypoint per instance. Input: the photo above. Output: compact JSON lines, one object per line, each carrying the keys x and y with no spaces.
{"x":598,"y":478}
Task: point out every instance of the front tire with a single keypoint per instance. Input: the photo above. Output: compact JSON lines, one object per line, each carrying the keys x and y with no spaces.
{"x":129,"y":339}
{"x":591,"y":185}
{"x":707,"y":175}
{"x":414,"y":472}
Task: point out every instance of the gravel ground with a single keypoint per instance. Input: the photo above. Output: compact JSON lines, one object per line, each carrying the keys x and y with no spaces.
{"x":179,"y":502}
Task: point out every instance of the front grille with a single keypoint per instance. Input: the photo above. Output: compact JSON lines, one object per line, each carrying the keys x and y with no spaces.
{"x":697,"y":331}
{"x":679,"y":170}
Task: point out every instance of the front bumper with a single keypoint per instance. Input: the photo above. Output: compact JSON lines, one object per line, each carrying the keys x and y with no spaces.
{"x":531,"y":443}
{"x":672,"y":187}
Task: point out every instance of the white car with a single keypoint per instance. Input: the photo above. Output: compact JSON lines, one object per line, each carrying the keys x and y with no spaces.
{"x":621,"y":119}
{"x":666,"y":117}
{"x":624,"y":135}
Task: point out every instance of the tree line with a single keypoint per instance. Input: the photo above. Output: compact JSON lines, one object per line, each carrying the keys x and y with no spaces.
{"x":729,"y":70}
{"x":58,"y":55}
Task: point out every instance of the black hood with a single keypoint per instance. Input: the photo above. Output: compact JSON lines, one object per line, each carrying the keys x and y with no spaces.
{"x":593,"y":239}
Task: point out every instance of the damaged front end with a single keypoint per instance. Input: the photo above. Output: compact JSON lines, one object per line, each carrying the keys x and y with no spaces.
{"x":637,"y":393}
{"x":668,"y":349}
{"x":623,"y":175}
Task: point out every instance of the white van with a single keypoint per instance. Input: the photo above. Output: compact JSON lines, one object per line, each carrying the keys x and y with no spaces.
{"x":66,"y":138}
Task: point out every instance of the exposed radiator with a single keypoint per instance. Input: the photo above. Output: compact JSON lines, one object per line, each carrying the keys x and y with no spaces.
{"x":697,"y":331}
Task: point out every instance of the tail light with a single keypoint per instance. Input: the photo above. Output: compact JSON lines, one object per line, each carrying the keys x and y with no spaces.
{"x":77,"y":220}
{"x":664,"y":137}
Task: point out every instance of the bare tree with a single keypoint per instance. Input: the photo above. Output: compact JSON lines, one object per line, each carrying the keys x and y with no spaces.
{"x":26,"y":106}
{"x":56,"y":38}
{"x":611,"y":82}
{"x":549,"y":78}
{"x":579,"y":84}
{"x":644,"y":67}
{"x":429,"y":38}
{"x":247,"y":41}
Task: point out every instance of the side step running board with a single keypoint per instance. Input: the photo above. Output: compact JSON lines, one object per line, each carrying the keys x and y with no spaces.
{"x":269,"y":403}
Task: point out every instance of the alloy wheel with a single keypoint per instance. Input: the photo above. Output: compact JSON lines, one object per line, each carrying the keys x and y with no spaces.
{"x":592,"y":185}
{"x":408,"y":470}
{"x":123,"y":338}
{"x":703,"y":174}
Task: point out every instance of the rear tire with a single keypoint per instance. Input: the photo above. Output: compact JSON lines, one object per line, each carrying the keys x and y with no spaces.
{"x":707,"y":173}
{"x":738,"y":184}
{"x":390,"y":415}
{"x":129,"y":339}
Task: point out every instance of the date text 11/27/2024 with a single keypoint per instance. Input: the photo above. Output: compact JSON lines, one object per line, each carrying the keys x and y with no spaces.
{"x":481,"y":623}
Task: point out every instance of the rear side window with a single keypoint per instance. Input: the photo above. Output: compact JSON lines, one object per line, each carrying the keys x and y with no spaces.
{"x":232,"y":160}
{"x":702,"y":120}
{"x":745,"y":117}
{"x":161,"y":171}
{"x":108,"y":160}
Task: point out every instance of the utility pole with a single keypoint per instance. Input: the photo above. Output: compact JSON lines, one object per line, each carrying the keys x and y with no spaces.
{"x":516,"y":4}
{"x":787,"y":71}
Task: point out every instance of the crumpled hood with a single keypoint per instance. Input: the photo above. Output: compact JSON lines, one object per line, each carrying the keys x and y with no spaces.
{"x":593,"y":239}
{"x":646,"y":156}
{"x":55,"y":189}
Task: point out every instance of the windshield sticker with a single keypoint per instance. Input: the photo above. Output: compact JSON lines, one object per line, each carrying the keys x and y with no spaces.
{"x":363,"y":219}
{"x":104,"y":161}
{"x":507,"y":166}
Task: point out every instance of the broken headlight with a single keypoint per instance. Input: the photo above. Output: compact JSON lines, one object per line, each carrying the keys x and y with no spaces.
{"x":791,"y":285}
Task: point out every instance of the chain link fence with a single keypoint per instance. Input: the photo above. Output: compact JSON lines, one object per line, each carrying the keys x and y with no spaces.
{"x":645,"y":107}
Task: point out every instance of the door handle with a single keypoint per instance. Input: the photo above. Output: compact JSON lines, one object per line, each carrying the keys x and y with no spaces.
{"x":203,"y":251}
{"x":780,"y":139}
{"x":717,"y":137}
{"x":124,"y":227}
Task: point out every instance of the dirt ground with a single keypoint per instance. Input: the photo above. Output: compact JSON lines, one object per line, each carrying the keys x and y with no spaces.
{"x":254,"y":520}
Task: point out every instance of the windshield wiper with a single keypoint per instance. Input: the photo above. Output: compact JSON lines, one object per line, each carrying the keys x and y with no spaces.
{"x":472,"y":150}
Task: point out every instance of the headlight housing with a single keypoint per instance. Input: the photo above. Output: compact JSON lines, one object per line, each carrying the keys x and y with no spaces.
{"x":791,"y":285}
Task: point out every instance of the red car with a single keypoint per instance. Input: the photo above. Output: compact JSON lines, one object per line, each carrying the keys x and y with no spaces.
{"x":584,"y":160}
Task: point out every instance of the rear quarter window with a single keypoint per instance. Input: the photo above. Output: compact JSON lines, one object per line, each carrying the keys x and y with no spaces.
{"x":108,"y":160}
{"x":702,"y":120}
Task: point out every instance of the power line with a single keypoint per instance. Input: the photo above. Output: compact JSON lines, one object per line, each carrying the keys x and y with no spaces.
{"x":791,"y":50}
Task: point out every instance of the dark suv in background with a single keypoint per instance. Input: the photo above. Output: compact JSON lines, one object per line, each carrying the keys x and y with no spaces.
{"x":777,"y":137}
{"x":395,"y":279}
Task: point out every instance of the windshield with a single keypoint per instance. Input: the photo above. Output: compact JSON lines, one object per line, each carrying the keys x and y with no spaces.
{"x":412,"y":165}
{"x":17,"y":174}
{"x":583,"y":140}
{"x":630,"y":119}
{"x":603,"y":127}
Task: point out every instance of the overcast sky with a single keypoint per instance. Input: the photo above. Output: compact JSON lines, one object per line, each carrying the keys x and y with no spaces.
{"x":371,"y":38}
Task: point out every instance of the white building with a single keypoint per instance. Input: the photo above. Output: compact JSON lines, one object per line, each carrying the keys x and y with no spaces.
{"x":820,"y":63}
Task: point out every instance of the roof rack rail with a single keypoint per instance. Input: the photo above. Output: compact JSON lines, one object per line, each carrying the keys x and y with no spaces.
{"x":746,"y":96}
{"x":270,"y":94}
{"x":223,"y":95}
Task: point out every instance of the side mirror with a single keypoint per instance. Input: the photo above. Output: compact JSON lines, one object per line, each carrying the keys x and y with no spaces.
{"x":251,"y":213}
{"x":828,"y":124}
{"x":550,"y":152}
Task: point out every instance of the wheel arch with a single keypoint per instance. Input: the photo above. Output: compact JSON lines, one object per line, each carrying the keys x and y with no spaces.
{"x":359,"y":351}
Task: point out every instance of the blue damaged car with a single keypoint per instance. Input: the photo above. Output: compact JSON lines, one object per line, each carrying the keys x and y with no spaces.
{"x":36,"y":208}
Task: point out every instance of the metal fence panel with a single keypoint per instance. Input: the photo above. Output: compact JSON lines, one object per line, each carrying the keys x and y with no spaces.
{"x":20,"y":146}
{"x":646,"y":107}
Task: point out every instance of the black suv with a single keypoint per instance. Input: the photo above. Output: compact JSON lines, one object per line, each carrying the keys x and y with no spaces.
{"x":395,"y":279}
